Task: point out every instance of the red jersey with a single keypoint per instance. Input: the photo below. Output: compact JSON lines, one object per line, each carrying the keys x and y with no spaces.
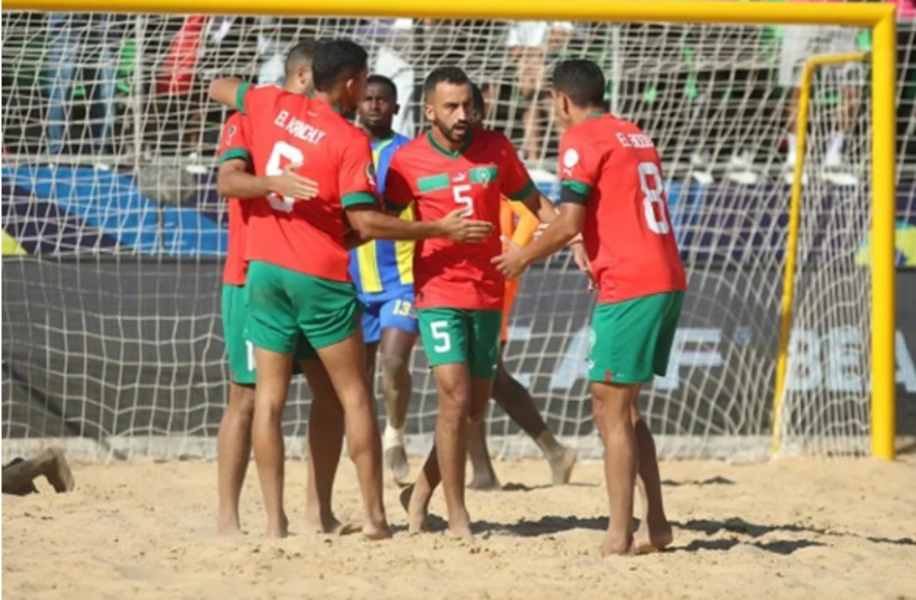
{"x":448,"y":274}
{"x":234,"y":145}
{"x":628,"y":233}
{"x":305,"y":236}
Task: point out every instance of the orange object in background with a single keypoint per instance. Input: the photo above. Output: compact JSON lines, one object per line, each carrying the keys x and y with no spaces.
{"x":520,"y":233}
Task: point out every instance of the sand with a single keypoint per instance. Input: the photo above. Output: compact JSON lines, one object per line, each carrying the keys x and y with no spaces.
{"x":789,"y":529}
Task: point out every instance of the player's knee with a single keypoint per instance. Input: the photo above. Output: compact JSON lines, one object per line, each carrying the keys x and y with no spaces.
{"x":477,"y":414}
{"x":454,"y":404}
{"x":241,"y":401}
{"x":393,"y":367}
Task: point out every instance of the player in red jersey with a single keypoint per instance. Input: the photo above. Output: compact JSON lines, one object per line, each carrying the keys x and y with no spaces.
{"x":325,"y":427}
{"x":459,"y":293}
{"x":613,"y":193}
{"x":299,"y":285}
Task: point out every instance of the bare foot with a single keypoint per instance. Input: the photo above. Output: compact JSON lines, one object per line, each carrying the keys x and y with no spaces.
{"x":561,"y":466}
{"x":616,"y":545}
{"x":460,"y":526}
{"x":278,"y":530}
{"x":228,"y":527}
{"x":329,"y":525}
{"x":651,"y":537}
{"x":376,"y":531}
{"x":485,"y":482}
{"x":416,"y":516}
{"x":56,"y":469}
{"x":396,"y":463}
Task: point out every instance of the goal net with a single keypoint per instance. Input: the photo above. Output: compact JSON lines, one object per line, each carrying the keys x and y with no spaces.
{"x":113,"y":235}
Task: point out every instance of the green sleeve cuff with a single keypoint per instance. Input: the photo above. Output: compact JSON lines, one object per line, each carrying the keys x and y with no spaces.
{"x":524,"y":192}
{"x":583,"y":189}
{"x":240,"y":97}
{"x":395,"y":207}
{"x":234,"y":154}
{"x":357,"y":199}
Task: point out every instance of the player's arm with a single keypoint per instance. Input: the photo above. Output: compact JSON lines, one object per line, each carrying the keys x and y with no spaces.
{"x":372,"y":224}
{"x":561,"y":231}
{"x":578,"y":178}
{"x":229,"y":91}
{"x":234,"y":180}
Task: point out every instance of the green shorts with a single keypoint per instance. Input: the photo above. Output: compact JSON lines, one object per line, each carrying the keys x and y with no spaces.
{"x":235,"y":332}
{"x":462,"y":336}
{"x":631,"y":341}
{"x":285,"y":305}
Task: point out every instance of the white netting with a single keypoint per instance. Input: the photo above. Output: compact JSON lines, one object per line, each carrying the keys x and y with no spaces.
{"x":111,"y":323}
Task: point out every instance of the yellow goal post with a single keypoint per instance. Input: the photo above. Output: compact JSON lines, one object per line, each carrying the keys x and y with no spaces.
{"x":880,"y":18}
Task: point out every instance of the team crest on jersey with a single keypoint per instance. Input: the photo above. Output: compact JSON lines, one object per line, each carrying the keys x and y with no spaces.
{"x":570,"y":160}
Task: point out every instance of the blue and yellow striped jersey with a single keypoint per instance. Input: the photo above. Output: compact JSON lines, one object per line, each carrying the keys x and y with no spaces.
{"x":384,"y":268}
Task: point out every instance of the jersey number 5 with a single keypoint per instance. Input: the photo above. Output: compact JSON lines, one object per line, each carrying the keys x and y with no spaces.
{"x":466,"y":201}
{"x":653,"y":201}
{"x":282,"y":155}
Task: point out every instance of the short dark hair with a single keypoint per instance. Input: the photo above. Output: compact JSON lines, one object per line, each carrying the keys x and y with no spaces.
{"x":385,"y":81}
{"x":581,"y":80}
{"x":477,"y":104}
{"x":453,"y":75}
{"x":301,"y":53}
{"x":336,"y":60}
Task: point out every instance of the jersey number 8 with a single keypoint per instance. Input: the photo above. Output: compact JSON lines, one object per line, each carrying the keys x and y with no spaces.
{"x":653,"y":202}
{"x":282,"y":155}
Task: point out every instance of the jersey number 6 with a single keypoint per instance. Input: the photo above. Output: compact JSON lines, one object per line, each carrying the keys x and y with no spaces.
{"x":653,"y":202}
{"x":282,"y":154}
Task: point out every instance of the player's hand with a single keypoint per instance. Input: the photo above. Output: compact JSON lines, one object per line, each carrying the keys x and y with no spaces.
{"x":293,"y":186}
{"x":580,"y":256}
{"x":467,"y":231}
{"x":510,"y":263}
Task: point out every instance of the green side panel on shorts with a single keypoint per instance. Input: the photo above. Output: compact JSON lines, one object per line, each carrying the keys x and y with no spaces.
{"x":235,"y":329}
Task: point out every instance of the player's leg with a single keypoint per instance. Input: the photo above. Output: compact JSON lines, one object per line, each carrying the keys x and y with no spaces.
{"x":372,"y":336}
{"x":611,"y":411}
{"x":446,"y":336}
{"x":399,"y":334}
{"x":234,"y":438}
{"x":273,"y":331}
{"x":516,"y":400}
{"x":50,"y":463}
{"x":655,"y":531}
{"x":483,"y":475}
{"x":330,"y":320}
{"x":325,"y":442}
{"x":631,"y":342}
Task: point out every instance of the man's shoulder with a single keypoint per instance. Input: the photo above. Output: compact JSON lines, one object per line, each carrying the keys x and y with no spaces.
{"x":410,"y":148}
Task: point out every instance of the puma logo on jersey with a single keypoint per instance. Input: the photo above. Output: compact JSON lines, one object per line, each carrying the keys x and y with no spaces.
{"x":459,"y":177}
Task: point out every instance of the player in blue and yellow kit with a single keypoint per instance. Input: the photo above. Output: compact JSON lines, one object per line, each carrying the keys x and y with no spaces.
{"x":383,"y":273}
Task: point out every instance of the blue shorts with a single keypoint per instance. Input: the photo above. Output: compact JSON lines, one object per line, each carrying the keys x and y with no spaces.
{"x":384,"y":313}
